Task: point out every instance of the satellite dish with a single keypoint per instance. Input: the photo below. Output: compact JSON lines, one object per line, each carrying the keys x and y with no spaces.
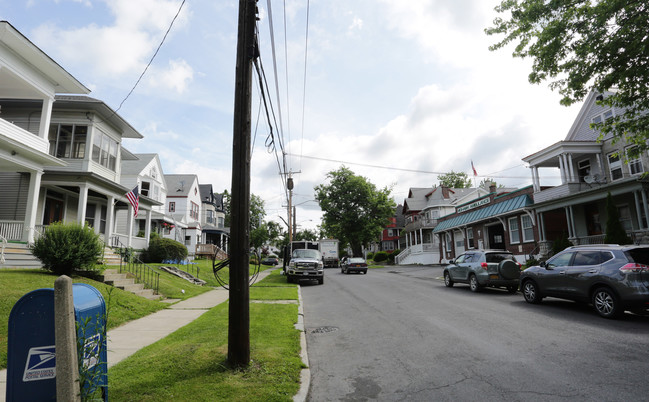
{"x":589,"y":179}
{"x":596,"y":178}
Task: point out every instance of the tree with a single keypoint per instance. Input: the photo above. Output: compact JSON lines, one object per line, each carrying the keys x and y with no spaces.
{"x":454,"y":180}
{"x":354,"y":210}
{"x":306,"y":234}
{"x":582,"y":46}
{"x":257,"y":212}
{"x":615,"y":233}
{"x":487,"y":182}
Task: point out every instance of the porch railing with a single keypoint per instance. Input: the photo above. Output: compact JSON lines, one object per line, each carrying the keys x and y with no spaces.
{"x":12,"y":230}
{"x":143,"y":273}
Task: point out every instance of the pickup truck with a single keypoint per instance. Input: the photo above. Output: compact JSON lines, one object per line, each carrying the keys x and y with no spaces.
{"x":305,"y":264}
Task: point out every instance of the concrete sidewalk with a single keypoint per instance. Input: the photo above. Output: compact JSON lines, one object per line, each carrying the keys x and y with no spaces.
{"x":133,"y":336}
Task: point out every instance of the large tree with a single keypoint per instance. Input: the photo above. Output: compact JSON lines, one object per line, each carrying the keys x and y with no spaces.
{"x":454,"y":180}
{"x":355,"y":211}
{"x":257,"y":212}
{"x":584,"y":45}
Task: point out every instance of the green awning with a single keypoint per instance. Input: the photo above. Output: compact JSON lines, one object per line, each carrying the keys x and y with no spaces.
{"x":497,"y":209}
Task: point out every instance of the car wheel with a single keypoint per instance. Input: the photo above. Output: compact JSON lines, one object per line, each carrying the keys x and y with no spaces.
{"x":447,"y":280}
{"x":321,"y":280}
{"x":512,"y":289}
{"x":606,"y":303}
{"x":531,"y":292}
{"x":365,"y":272}
{"x":473,"y":283}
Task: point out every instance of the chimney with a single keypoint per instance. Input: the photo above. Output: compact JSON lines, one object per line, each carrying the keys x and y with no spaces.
{"x":492,"y":187}
{"x":445,"y":193}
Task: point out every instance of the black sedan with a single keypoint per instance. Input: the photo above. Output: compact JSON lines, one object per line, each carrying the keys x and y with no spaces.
{"x":354,"y":264}
{"x":270,"y":261}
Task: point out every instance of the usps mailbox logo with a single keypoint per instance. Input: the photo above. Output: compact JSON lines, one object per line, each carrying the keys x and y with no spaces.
{"x":41,"y":364}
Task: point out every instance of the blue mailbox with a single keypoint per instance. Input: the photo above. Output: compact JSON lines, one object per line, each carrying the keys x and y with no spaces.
{"x":31,"y":354}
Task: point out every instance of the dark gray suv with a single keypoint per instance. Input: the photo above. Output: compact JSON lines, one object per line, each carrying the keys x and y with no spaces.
{"x":480,"y":268}
{"x":613,"y":278}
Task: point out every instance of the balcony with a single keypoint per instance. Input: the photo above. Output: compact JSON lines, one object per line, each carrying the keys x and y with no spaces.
{"x":17,"y":135}
{"x":422,"y":223}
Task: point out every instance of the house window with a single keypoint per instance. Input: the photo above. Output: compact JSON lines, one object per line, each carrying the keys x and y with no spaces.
{"x":145,"y":188}
{"x":90,"y":214}
{"x":210,"y":216}
{"x":615,"y":166}
{"x":583,"y":169}
{"x":104,"y":151}
{"x":602,"y":116}
{"x":514,"y":231}
{"x":221,"y":222}
{"x":102,"y":219}
{"x":194,"y":211}
{"x":172,"y":207}
{"x":635,"y":164}
{"x":390,"y":233}
{"x":528,"y":230}
{"x":469,"y":236}
{"x":68,"y":141}
{"x":449,"y":243}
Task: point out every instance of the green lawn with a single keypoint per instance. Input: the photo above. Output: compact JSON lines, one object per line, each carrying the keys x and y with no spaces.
{"x":15,"y":283}
{"x":191,"y":363}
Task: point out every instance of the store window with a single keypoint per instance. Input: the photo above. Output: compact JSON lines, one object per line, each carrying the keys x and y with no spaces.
{"x":528,"y":230}
{"x":514,"y":231}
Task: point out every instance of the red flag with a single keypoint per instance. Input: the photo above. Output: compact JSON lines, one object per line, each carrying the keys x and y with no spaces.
{"x":134,"y":198}
{"x":474,"y":171}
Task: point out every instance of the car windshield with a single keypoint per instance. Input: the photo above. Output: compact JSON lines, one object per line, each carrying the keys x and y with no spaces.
{"x":497,"y":257}
{"x":306,"y":253}
{"x":356,"y":260}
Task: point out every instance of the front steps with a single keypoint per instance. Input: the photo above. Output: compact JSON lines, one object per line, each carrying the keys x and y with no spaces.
{"x":18,"y":255}
{"x":122,"y":281}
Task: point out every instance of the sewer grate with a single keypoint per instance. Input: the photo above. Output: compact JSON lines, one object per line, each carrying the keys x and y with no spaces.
{"x":323,"y":330}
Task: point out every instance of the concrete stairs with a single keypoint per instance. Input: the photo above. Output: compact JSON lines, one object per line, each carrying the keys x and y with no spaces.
{"x":111,"y":257}
{"x":127,"y":282}
{"x":18,"y":255}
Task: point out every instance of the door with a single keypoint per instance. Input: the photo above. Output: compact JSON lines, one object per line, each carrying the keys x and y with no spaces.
{"x":53,"y":211}
{"x":496,"y":235}
{"x":552,"y":280}
{"x":580,"y":274}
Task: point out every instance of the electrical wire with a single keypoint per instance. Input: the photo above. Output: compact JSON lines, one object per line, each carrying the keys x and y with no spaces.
{"x":306,"y":47}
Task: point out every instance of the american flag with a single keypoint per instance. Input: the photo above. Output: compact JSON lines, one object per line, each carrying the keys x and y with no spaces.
{"x":134,"y":198}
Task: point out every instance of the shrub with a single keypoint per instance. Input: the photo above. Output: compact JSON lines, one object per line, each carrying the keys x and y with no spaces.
{"x":615,"y":233}
{"x":370,"y":256}
{"x":380,"y":256}
{"x":561,"y":244}
{"x":161,"y":249}
{"x":392,"y":255}
{"x":68,"y":247}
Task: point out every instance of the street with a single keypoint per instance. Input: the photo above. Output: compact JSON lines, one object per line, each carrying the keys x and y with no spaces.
{"x":398,"y":333}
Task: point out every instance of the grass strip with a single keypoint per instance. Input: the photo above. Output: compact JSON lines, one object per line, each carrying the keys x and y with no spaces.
{"x":190,"y":364}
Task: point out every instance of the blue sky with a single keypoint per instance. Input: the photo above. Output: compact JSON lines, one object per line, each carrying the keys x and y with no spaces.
{"x":403,"y":84}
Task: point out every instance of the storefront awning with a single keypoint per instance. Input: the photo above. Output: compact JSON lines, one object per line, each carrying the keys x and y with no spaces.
{"x":497,"y":209}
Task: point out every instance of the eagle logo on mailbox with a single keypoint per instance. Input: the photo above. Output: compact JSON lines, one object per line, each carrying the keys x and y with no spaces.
{"x":41,"y":363}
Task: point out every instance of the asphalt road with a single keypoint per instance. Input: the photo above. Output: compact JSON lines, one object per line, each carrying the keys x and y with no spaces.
{"x":398,"y":333}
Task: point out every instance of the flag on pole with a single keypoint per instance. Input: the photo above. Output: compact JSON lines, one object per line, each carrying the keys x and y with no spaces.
{"x":474,"y":171}
{"x":134,"y":198}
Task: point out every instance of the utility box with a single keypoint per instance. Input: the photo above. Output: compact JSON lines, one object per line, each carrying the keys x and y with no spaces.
{"x":31,"y":349}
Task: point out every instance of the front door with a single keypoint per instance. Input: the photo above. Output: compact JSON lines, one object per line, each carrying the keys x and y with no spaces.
{"x":496,"y":237}
{"x":53,"y":211}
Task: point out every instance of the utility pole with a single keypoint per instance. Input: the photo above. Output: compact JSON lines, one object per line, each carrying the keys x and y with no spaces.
{"x":239,"y":312}
{"x":289,"y":185}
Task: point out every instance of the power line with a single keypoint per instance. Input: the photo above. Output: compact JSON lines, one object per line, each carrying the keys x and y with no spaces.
{"x":152,"y":57}
{"x":306,"y":48}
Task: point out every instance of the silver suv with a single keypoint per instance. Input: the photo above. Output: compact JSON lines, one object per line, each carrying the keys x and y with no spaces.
{"x":480,"y":268}
{"x":613,"y":278}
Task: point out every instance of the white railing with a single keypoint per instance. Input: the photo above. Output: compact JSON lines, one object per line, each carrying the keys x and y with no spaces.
{"x":12,"y":230}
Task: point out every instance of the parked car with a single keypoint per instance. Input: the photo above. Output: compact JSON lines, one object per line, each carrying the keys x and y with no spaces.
{"x":305,"y":264}
{"x":613,"y":278}
{"x":480,"y":268}
{"x":354,"y":264}
{"x":270,"y":261}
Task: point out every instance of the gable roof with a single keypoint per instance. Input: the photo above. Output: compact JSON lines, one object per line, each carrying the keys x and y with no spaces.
{"x":136,"y":166}
{"x":179,"y":184}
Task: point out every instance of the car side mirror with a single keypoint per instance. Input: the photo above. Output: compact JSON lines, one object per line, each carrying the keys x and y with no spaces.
{"x":451,"y":261}
{"x":542,"y":264}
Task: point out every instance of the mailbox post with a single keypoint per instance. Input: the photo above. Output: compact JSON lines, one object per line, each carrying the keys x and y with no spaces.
{"x":31,"y":352}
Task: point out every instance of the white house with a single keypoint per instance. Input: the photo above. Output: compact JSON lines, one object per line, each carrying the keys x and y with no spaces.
{"x":183,"y":203}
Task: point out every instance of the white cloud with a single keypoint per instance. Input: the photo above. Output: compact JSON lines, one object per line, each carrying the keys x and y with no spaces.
{"x":177,"y":76}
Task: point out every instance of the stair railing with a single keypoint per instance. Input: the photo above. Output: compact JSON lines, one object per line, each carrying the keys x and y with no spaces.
{"x":2,"y":249}
{"x":143,"y":273}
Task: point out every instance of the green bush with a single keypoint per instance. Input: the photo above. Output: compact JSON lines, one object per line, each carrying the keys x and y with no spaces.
{"x":392,"y":255}
{"x":561,"y":243}
{"x":68,"y":247}
{"x":370,"y":256}
{"x":161,"y":249}
{"x":380,"y":256}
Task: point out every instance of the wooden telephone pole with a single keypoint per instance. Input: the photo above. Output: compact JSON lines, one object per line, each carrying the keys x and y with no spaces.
{"x":239,"y":312}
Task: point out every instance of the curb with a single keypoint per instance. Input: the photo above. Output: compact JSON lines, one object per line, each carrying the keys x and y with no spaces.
{"x":305,"y":375}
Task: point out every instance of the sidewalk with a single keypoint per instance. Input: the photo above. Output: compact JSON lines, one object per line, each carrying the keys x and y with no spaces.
{"x":133,"y":336}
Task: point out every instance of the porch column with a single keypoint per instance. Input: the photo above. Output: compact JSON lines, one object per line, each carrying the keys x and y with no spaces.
{"x":32,"y":205}
{"x":600,"y":165}
{"x":535,"y":179}
{"x":562,"y":168}
{"x":638,"y":210}
{"x":83,"y":203}
{"x":110,"y":219}
{"x":129,"y":225}
{"x":46,"y":115}
{"x":541,"y":224}
{"x":571,"y":169}
{"x":568,"y":221}
{"x":643,"y":192}
{"x":147,"y":227}
{"x":421,"y":237}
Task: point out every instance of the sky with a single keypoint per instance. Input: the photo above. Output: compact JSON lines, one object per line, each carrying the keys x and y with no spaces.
{"x":383,"y":87}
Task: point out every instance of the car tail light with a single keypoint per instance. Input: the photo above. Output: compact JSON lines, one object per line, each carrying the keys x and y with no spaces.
{"x":484,"y":265}
{"x":634,"y":267}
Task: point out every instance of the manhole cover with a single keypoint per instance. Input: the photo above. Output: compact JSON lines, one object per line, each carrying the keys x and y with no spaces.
{"x":323,"y":330}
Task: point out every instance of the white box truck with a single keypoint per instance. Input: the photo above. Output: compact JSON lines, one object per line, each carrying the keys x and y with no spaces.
{"x":329,"y":250}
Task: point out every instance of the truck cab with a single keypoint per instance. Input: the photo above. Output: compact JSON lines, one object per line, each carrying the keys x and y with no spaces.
{"x":305,"y":264}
